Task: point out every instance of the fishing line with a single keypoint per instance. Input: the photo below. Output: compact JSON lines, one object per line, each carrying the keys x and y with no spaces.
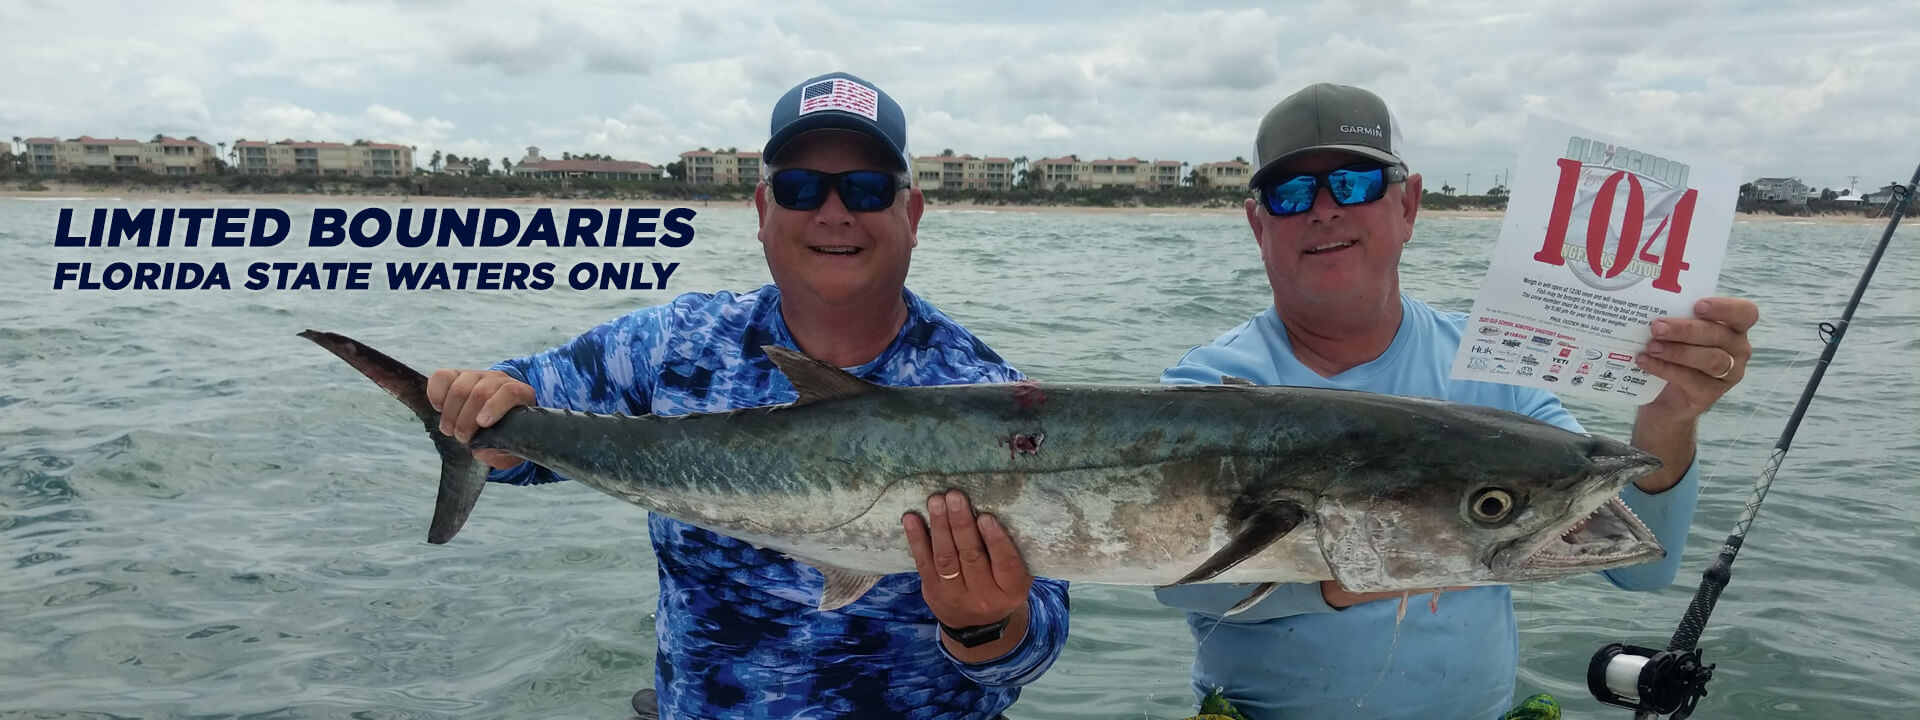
{"x":1654,"y":683}
{"x":1530,"y":593}
{"x":1779,"y":379}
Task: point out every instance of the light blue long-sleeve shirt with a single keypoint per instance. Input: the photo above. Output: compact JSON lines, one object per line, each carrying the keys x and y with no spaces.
{"x":1293,"y":656}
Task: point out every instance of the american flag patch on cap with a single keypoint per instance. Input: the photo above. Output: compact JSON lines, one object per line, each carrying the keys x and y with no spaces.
{"x":839,"y":94}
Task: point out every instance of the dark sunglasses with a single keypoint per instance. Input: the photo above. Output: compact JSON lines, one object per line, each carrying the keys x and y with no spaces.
{"x":860,"y":190}
{"x":1356,"y":184}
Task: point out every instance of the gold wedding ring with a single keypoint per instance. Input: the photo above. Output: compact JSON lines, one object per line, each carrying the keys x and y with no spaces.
{"x":1730,"y":363}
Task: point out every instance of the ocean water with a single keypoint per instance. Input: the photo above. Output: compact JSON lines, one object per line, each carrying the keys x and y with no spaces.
{"x":202,"y":515}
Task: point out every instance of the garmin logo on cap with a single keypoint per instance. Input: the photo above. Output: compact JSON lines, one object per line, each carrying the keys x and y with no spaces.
{"x":1374,"y":131}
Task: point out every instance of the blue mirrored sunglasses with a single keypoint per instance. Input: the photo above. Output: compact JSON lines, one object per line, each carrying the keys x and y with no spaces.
{"x":1356,"y":184}
{"x":860,"y":190}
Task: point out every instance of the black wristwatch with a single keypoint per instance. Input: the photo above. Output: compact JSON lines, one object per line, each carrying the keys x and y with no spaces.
{"x":976,"y":635}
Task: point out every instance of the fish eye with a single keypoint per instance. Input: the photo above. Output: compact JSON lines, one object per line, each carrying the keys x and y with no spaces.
{"x":1491,"y":505}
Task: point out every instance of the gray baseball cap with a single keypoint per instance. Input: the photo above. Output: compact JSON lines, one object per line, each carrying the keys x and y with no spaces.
{"x":1325,"y":116}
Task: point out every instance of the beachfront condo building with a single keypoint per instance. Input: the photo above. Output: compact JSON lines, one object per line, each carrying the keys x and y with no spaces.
{"x":533,"y":165}
{"x":1233,"y":173}
{"x":963,"y":172}
{"x":162,"y":155}
{"x":1782,"y":190}
{"x":708,"y":167}
{"x":1166,"y":174}
{"x":1072,"y":173}
{"x":289,"y":157}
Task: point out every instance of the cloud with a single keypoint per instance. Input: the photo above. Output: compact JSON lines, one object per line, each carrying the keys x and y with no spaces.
{"x":274,"y":120}
{"x":994,"y":77}
{"x":1234,"y":51}
{"x":547,"y":43}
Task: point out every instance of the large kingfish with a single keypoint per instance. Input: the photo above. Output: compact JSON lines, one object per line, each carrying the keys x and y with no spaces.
{"x":1152,"y":485}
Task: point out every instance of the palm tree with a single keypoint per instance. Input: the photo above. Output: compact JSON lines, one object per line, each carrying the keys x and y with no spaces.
{"x":435,"y":162}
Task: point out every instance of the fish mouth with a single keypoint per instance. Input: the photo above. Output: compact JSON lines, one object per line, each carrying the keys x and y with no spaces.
{"x":1610,"y":536}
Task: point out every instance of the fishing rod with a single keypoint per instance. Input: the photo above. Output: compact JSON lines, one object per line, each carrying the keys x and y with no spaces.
{"x":1654,"y":683}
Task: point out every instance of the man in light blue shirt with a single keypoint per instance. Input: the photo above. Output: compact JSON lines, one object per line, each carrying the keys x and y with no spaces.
{"x":1335,"y":206}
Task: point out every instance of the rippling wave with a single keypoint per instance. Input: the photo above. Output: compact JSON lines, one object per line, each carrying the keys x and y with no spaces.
{"x":203,"y":515}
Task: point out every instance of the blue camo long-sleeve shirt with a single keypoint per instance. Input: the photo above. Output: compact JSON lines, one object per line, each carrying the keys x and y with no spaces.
{"x":739,"y":633}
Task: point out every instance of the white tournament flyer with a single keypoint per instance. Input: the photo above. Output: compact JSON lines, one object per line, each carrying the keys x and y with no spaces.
{"x":1602,"y":235}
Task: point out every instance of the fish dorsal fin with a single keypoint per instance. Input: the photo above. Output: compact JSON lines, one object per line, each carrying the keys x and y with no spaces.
{"x":1232,"y":380}
{"x":814,"y":379}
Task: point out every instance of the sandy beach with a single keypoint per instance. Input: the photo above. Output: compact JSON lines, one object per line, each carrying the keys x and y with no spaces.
{"x":59,"y":191}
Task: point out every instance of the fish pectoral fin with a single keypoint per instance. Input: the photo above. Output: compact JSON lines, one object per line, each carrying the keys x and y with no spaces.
{"x":844,"y":587}
{"x":814,"y":379}
{"x":1259,"y":593}
{"x":1233,"y":380}
{"x":1260,"y":529}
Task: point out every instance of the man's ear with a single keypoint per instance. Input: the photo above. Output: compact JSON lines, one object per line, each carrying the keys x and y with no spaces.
{"x":1253,"y":218}
{"x":916,"y":205}
{"x":1410,"y":205}
{"x":760,"y":207}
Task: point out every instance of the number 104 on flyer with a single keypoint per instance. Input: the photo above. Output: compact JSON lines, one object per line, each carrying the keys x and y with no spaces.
{"x":1602,"y":235}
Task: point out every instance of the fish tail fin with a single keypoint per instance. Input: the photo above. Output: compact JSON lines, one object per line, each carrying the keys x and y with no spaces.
{"x":462,"y":476}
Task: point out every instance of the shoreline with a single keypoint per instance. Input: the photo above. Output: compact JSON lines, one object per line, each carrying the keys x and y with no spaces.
{"x":964,"y":207}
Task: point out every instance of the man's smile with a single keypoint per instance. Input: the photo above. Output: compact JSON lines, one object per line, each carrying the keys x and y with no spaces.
{"x":1331,"y":247}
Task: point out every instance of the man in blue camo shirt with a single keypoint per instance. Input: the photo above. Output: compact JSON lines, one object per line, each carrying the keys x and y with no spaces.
{"x":739,"y":633}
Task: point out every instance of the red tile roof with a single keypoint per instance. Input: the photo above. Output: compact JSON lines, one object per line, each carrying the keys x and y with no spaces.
{"x":607,"y":166}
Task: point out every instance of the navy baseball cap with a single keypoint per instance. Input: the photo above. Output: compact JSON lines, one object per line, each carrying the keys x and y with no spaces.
{"x":841,"y":101}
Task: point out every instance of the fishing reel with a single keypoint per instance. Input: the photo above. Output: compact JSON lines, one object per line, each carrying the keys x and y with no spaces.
{"x":1647,"y":681}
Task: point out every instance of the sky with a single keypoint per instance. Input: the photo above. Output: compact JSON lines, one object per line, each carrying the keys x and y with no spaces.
{"x":1823,"y":91}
